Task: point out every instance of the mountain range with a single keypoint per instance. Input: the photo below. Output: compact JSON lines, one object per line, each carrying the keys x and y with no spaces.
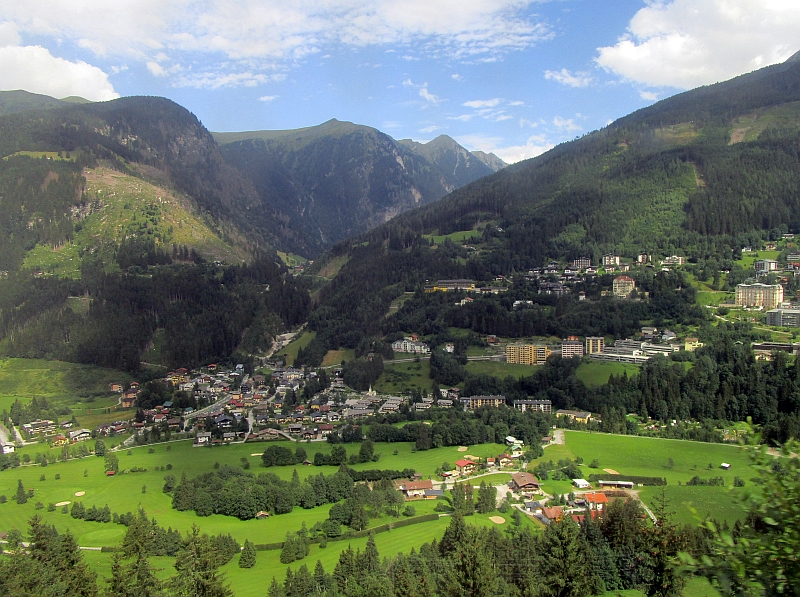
{"x":339,"y":179}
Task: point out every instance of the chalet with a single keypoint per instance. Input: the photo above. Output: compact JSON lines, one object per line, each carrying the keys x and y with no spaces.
{"x":60,"y":440}
{"x":465,"y":467}
{"x":505,"y":460}
{"x":416,"y":489}
{"x":325,"y":429}
{"x":228,"y":437}
{"x":8,"y":448}
{"x":79,"y":435}
{"x":596,"y":501}
{"x":552,"y":514}
{"x":294,"y":428}
{"x":524,"y":482}
{"x":115,"y":387}
{"x":203,"y":438}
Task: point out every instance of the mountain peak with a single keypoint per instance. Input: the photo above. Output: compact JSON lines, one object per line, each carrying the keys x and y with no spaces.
{"x":793,"y":58}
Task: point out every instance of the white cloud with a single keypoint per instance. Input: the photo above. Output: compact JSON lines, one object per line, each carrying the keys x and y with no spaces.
{"x":35,"y":69}
{"x":9,"y":35}
{"x":428,"y":96}
{"x":490,"y":103}
{"x":430,"y":129}
{"x":462,"y":117}
{"x":267,"y":98}
{"x":523,"y":122}
{"x":212,"y":80}
{"x":565,"y":77}
{"x":408,"y":83}
{"x":457,"y":77}
{"x":685,"y":43}
{"x":534,"y":146}
{"x":516,"y":103}
{"x":270,"y":33}
{"x":156,"y":69}
{"x":649,"y":96}
{"x":567,"y":124}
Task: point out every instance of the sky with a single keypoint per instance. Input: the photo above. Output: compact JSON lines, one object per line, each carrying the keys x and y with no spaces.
{"x":512,"y":77}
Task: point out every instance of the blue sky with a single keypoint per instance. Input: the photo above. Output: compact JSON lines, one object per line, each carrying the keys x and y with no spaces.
{"x":510,"y":76}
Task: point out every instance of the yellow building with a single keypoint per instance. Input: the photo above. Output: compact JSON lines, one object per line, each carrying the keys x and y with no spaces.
{"x":527,"y":354}
{"x":768,"y":296}
{"x":595,"y":344}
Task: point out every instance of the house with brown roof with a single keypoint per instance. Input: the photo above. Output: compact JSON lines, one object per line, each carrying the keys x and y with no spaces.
{"x":596,"y":501}
{"x":524,"y":482}
{"x":416,"y":489}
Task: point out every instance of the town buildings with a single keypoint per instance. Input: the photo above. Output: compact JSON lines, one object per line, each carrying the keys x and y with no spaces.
{"x":784,"y":317}
{"x":595,"y":344}
{"x":571,"y":347}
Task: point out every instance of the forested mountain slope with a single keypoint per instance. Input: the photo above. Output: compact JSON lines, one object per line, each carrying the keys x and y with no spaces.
{"x":110,"y":214}
{"x":339,"y":179}
{"x":700,"y":174}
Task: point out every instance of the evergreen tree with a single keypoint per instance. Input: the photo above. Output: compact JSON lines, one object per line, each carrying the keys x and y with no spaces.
{"x":197,"y":571}
{"x":21,"y":496}
{"x":248,"y":557}
{"x":563,"y":566}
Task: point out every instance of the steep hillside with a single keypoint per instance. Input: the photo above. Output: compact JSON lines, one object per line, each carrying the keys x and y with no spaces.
{"x":701,"y":174}
{"x":110,"y":215}
{"x":13,"y":102}
{"x":338,"y":179}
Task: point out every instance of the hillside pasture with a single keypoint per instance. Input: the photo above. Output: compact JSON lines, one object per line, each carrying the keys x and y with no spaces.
{"x":595,"y":374}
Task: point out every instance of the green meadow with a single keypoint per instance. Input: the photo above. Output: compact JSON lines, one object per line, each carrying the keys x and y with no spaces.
{"x":596,"y":374}
{"x":397,"y":377}
{"x":81,"y":388}
{"x":675,"y":460}
{"x":500,"y":369}
{"x":291,"y":349}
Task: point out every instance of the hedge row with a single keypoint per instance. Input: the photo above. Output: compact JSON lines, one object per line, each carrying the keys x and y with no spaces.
{"x":637,"y":480}
{"x":357,"y":535}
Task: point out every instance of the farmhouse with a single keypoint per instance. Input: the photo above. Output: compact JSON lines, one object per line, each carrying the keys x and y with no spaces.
{"x":596,"y":501}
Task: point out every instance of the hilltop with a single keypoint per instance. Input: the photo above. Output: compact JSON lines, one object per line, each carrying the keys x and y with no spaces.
{"x":339,"y":179}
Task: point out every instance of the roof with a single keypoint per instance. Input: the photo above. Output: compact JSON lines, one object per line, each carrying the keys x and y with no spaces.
{"x":553,"y":512}
{"x":596,"y":498}
{"x":418,"y":485}
{"x":523,"y":479}
{"x":463,"y":463}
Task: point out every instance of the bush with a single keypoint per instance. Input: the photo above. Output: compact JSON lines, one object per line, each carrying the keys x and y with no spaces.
{"x":58,"y":476}
{"x":3,"y":499}
{"x":151,"y":450}
{"x":409,"y":510}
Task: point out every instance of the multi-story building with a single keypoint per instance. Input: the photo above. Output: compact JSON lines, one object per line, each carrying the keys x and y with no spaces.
{"x":410,"y":346}
{"x":673,"y":260}
{"x":610,"y":260}
{"x":527,"y":354}
{"x":623,"y":286}
{"x":784,"y":317}
{"x":595,"y":344}
{"x":582,"y":262}
{"x":544,"y":406}
{"x":768,"y":296}
{"x":473,"y":402}
{"x":571,"y":347}
{"x":764,"y":266}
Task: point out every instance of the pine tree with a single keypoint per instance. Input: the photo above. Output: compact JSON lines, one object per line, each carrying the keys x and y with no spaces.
{"x":276,"y":589}
{"x":197,"y":569}
{"x":248,"y":557}
{"x":21,"y":496}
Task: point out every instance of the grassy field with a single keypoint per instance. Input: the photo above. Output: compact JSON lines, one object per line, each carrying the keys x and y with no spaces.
{"x":500,"y":369}
{"x":712,"y":297}
{"x":81,"y":388}
{"x":597,"y":374}
{"x":334,"y":358}
{"x":290,"y":350}
{"x":456,"y":237}
{"x":676,"y":460}
{"x":398,"y":377}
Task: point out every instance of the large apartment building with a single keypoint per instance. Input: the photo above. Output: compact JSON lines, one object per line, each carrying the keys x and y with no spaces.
{"x":595,"y":344}
{"x":473,"y":402}
{"x":784,"y":317}
{"x":527,"y":354}
{"x":768,"y":296}
{"x":571,"y":347}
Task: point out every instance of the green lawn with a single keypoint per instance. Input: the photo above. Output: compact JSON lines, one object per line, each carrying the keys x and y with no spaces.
{"x":595,"y":374}
{"x":710,"y":297}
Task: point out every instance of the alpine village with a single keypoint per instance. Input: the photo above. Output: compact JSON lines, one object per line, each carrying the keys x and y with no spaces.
{"x":324,"y":362}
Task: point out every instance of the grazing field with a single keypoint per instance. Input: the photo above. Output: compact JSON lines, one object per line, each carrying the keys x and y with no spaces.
{"x":334,"y":358}
{"x":675,"y":460}
{"x":81,"y":388}
{"x":290,"y":350}
{"x":398,"y":377}
{"x":500,"y":369}
{"x":597,"y":374}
